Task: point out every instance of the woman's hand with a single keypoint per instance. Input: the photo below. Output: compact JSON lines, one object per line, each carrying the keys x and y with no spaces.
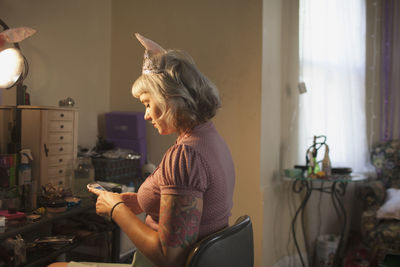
{"x":105,"y":201}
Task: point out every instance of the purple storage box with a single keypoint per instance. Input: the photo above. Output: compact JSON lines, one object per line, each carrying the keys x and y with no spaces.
{"x":125,"y":125}
{"x":137,"y":145}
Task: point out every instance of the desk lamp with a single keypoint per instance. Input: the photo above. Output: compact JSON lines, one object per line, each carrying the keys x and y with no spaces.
{"x":13,"y":65}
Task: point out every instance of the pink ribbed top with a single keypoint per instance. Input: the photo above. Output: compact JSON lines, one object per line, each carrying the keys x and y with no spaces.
{"x":199,"y":164}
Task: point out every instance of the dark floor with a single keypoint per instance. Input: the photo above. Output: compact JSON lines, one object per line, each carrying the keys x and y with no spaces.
{"x":357,"y":255}
{"x":391,"y":261}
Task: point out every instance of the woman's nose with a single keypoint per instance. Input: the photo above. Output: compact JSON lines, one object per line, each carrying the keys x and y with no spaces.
{"x":147,"y":116}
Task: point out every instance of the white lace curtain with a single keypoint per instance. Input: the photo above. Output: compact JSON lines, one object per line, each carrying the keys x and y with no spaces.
{"x":332,"y":65}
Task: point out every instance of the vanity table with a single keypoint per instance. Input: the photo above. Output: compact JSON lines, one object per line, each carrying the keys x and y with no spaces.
{"x":335,"y":186}
{"x":51,"y":223}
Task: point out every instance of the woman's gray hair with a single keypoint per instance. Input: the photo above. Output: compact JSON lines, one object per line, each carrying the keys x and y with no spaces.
{"x":185,"y":96}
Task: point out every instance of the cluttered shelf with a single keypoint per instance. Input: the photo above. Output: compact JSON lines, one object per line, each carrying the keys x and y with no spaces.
{"x":42,"y":255}
{"x":36,"y":242}
{"x":28,"y":222}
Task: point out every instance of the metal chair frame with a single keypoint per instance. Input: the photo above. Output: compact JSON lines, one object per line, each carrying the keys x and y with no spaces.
{"x":232,"y":246}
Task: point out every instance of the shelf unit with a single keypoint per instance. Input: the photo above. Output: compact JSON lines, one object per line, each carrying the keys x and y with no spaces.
{"x":28,"y":229}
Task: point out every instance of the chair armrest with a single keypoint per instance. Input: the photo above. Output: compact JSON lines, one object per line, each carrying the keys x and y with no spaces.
{"x":368,"y":221}
{"x":372,"y":194}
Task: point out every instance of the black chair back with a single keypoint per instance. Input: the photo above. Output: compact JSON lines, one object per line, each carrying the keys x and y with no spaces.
{"x":232,"y":246}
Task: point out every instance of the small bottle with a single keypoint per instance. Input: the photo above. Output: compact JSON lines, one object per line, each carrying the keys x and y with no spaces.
{"x":310,"y":164}
{"x":316,"y":165}
{"x":326,"y":162}
{"x":148,"y":169}
{"x":130,"y":187}
{"x":24,"y":169}
{"x":25,"y":180}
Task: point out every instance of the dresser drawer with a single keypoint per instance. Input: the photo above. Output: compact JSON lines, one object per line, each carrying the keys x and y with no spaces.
{"x":60,"y":160}
{"x":57,"y":115}
{"x":57,"y":149}
{"x":60,"y":126}
{"x":60,"y":137}
{"x":58,"y":171}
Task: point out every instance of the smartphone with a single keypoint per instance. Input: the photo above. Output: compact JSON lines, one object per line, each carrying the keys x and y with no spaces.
{"x":97,"y":186}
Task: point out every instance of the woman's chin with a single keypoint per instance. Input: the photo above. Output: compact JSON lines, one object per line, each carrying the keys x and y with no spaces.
{"x":163,"y":132}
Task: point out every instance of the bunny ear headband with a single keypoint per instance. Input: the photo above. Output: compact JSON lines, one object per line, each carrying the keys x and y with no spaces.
{"x":152,"y":48}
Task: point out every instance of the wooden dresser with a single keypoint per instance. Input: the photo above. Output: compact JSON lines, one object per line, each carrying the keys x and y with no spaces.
{"x":51,"y":134}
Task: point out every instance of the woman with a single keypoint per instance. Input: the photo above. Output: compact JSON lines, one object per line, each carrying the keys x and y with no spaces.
{"x":189,"y":195}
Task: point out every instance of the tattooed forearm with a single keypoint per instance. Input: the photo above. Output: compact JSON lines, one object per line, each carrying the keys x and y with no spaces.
{"x":179,"y":220}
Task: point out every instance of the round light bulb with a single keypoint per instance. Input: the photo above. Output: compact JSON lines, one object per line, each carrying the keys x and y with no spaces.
{"x":11,"y":66}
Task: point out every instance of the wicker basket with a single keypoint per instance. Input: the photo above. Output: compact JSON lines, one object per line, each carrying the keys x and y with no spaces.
{"x":122,"y":171}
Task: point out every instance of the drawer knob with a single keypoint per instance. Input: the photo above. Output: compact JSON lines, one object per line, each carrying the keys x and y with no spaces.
{"x":61,"y":126}
{"x":62,"y":115}
{"x":60,"y":171}
{"x":61,"y":149}
{"x":61,"y":137}
{"x":46,"y":150}
{"x":60,"y":160}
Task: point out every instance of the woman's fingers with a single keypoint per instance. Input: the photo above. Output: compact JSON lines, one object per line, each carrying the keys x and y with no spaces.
{"x":95,"y":191}
{"x":106,"y":200}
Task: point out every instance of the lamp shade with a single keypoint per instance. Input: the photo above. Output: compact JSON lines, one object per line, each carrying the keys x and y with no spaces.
{"x":11,"y":67}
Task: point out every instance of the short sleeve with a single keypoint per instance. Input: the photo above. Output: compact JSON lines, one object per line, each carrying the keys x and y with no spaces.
{"x":183,"y":172}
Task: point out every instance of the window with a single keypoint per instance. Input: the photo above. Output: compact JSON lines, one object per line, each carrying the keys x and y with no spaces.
{"x":332,"y":65}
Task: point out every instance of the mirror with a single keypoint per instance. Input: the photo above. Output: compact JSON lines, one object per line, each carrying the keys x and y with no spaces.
{"x":7,"y":123}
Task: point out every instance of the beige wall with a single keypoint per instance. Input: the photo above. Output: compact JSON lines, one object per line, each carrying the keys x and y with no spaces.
{"x":69,"y":56}
{"x":224,"y":38}
{"x":279,"y":95}
{"x":86,"y":50}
